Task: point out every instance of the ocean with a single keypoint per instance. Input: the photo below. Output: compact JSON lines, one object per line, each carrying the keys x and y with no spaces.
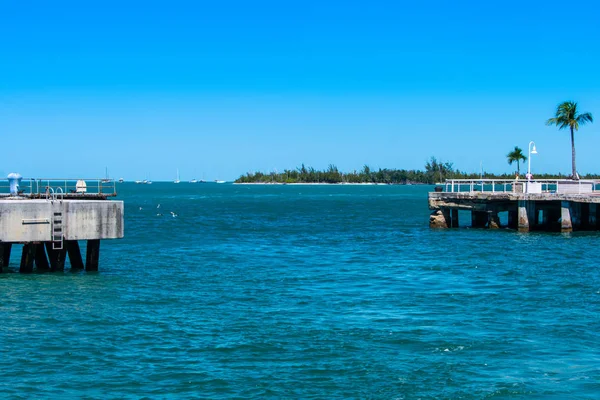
{"x":305,"y":292}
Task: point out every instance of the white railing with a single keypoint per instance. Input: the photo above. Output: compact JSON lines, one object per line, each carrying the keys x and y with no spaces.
{"x":45,"y":187}
{"x":564,"y":186}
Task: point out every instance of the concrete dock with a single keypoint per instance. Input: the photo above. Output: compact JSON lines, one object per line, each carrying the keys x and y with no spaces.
{"x":553,"y":205}
{"x":49,"y":217}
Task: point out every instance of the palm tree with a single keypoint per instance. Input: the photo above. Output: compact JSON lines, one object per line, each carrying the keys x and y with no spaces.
{"x":567,"y":116}
{"x":518,"y":156}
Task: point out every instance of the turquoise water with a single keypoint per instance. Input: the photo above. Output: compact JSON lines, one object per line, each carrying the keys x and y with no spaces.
{"x":306,"y":292}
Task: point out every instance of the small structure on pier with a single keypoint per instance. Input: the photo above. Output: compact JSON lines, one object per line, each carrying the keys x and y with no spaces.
{"x":50,"y":216}
{"x":558,"y":205}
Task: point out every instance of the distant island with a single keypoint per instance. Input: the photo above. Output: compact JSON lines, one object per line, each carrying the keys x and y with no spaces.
{"x":435,"y":171}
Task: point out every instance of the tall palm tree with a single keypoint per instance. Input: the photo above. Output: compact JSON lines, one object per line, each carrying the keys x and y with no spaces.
{"x":567,"y":116}
{"x":518,"y":156}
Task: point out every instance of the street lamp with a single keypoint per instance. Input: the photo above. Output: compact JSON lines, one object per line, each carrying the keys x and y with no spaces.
{"x":531,"y":151}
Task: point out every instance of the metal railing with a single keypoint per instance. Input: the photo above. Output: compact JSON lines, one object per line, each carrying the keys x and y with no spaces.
{"x":51,"y":187}
{"x":560,"y":186}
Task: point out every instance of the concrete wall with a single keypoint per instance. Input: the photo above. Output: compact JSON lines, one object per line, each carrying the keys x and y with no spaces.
{"x":93,"y":220}
{"x":30,"y":220}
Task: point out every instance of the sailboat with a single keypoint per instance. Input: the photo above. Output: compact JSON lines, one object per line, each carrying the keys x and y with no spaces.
{"x":106,"y":179}
{"x":177,"y":180}
{"x":121,"y":180}
{"x":193,"y":181}
{"x":219,"y":181}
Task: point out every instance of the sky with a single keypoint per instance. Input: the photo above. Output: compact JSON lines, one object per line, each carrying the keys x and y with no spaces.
{"x":220,"y":88}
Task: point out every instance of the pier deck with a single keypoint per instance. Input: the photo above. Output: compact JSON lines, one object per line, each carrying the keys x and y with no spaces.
{"x":49,"y":217}
{"x":561,"y":205}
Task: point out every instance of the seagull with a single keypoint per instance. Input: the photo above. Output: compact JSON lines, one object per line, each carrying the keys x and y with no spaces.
{"x":158,"y":206}
{"x":140,"y":208}
{"x":159,"y":215}
{"x":173,"y":214}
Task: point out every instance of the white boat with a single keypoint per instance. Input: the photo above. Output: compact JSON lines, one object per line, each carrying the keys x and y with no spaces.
{"x":121,"y":180}
{"x":193,"y":181}
{"x":139,"y":182}
{"x":177,"y":180}
{"x":106,"y":179}
{"x":218,"y":181}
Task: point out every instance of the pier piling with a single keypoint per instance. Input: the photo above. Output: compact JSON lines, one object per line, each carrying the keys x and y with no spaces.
{"x":92,"y":255}
{"x":526,"y":214}
{"x":566,"y":225}
{"x":5,"y":249}
{"x":27,"y":258}
{"x":74,"y":254}
{"x":41,"y":261}
{"x":57,"y":257}
{"x":454,"y":218}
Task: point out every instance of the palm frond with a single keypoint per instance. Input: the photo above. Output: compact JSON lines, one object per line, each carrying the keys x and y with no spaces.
{"x":585,"y":118}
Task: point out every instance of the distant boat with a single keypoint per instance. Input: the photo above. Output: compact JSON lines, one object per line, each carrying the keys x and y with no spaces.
{"x":218,"y":181}
{"x":147,"y":181}
{"x":177,"y":180}
{"x":121,"y":180}
{"x":139,"y":182}
{"x":193,"y":181}
{"x":106,"y":179}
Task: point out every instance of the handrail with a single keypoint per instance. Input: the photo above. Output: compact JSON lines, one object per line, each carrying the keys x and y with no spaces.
{"x":583,"y":186}
{"x":40,"y":187}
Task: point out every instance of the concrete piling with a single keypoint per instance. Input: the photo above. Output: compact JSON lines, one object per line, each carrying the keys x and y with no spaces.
{"x":41,"y":261}
{"x":74,"y":253}
{"x":526,"y":215}
{"x":454,"y":218}
{"x":513,"y":222}
{"x":566,"y":225}
{"x":593,"y":216}
{"x":5,"y":249}
{"x":92,"y":255}
{"x":27,"y":258}
{"x":584,"y":222}
{"x":56,"y":257}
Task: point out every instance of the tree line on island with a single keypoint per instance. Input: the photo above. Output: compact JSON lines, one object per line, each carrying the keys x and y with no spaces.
{"x":566,"y":117}
{"x":435,"y":171}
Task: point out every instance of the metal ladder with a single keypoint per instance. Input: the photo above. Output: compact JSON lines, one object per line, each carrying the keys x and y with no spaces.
{"x":56,"y":226}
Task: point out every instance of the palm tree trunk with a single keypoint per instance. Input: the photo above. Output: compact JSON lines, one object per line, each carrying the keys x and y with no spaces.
{"x":573,"y":154}
{"x":518,"y":168}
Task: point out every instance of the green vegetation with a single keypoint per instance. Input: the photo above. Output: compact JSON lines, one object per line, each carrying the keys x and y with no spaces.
{"x":567,"y":116}
{"x":435,"y":171}
{"x":516,"y":156}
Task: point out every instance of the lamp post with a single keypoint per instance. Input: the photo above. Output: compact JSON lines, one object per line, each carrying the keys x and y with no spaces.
{"x":531,"y":151}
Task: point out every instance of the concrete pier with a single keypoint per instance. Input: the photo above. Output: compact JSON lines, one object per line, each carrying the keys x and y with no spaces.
{"x":555,"y":206}
{"x":50,"y":225}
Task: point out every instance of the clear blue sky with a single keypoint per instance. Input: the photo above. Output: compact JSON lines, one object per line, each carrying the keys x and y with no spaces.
{"x":223,"y":87}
